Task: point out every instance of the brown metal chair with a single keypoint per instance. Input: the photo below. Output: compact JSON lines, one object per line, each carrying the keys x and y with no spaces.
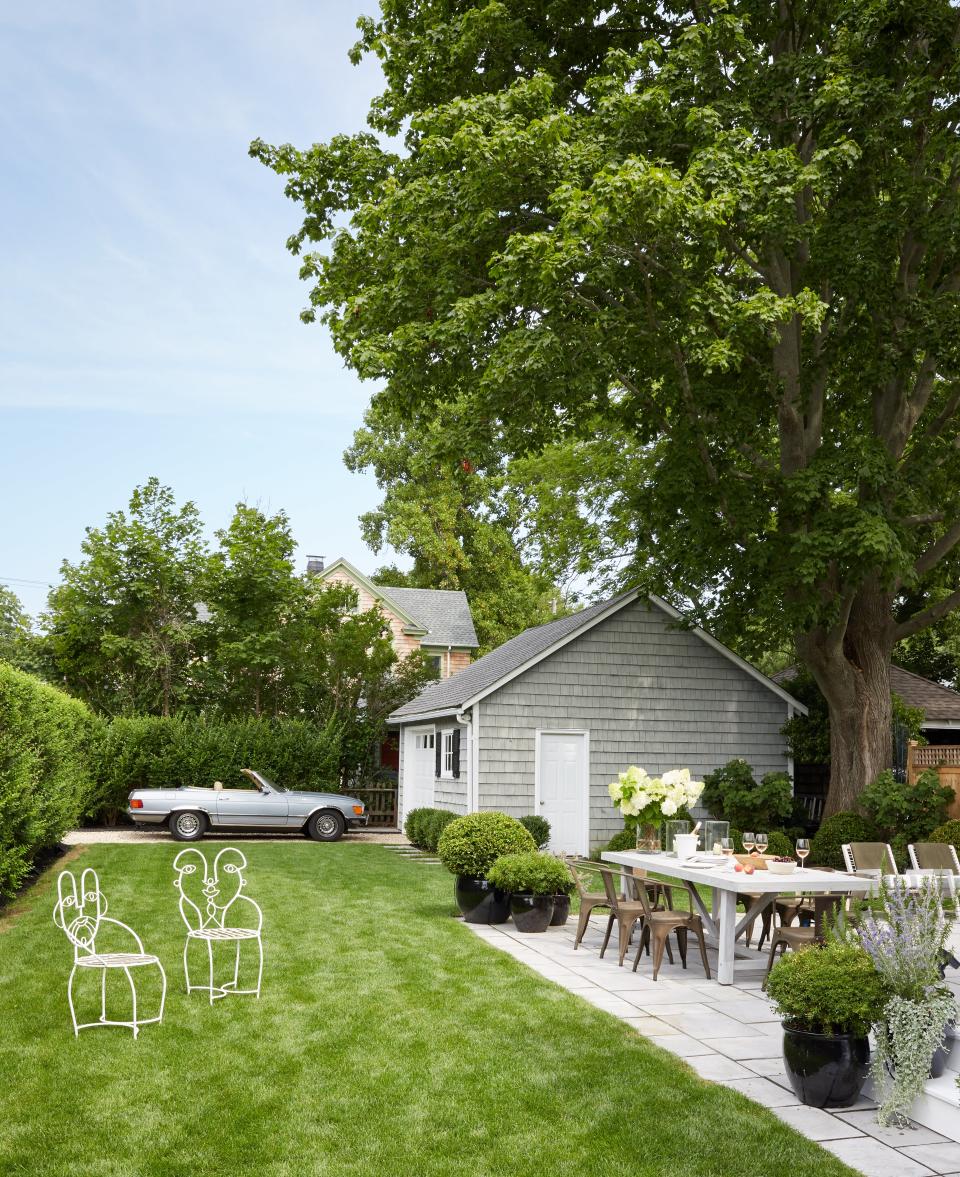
{"x":787,"y":937}
{"x":657,"y":925}
{"x":588,"y":899}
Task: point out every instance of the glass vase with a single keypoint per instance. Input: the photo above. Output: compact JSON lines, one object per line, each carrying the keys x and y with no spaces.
{"x":713,"y":834}
{"x":648,"y":838}
{"x":670,"y":831}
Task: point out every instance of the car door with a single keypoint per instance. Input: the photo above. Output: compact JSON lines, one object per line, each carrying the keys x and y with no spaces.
{"x":251,"y":808}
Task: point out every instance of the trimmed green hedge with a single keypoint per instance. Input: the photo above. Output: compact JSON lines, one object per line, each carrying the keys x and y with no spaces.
{"x":45,"y":779}
{"x":949,"y":832}
{"x":472,"y":844}
{"x":825,"y":846}
{"x":424,"y":826}
{"x":147,"y":752}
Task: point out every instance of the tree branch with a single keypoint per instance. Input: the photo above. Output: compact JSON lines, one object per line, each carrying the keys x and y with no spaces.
{"x":929,"y":616}
{"x":935,"y":553}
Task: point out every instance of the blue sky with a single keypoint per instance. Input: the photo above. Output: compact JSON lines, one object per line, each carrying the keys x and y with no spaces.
{"x":148,"y":308}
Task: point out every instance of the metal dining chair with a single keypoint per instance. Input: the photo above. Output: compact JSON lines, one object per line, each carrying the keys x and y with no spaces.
{"x":656,"y":925}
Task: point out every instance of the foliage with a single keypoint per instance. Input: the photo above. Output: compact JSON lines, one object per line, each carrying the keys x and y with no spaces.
{"x":424,"y":826}
{"x":731,"y":794}
{"x":907,"y":1037}
{"x":150,"y":752}
{"x":450,"y":521}
{"x":151,"y":622}
{"x":531,"y":873}
{"x":908,"y":812}
{"x":122,"y":624}
{"x":829,"y":989}
{"x":826,"y":843}
{"x":906,"y":941}
{"x":625,"y":839}
{"x":19,"y":645}
{"x":410,"y":972}
{"x":470,"y":845}
{"x":779,"y":842}
{"x":538,"y":827}
{"x":949,"y":832}
{"x":647,"y":800}
{"x":45,"y":778}
{"x":704,"y":331}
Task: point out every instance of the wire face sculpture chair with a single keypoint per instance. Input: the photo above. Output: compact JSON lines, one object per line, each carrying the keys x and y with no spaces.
{"x":217,"y":912}
{"x":81,"y":913}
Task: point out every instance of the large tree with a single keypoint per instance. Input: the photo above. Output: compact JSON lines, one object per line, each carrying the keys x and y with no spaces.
{"x":718,"y":239}
{"x":122,"y":625}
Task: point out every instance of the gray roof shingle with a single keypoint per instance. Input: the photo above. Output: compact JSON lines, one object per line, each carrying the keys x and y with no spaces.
{"x":444,"y":613}
{"x":451,"y":693}
{"x":938,"y":702}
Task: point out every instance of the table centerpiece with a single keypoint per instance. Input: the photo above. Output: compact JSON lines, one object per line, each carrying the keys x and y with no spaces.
{"x":646,"y":801}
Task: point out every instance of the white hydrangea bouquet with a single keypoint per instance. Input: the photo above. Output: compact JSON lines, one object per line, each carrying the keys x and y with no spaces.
{"x":646,"y":800}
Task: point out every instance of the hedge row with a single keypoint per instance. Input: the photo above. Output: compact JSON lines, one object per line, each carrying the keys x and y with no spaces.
{"x":424,"y":826}
{"x":146,"y":752}
{"x":46,"y":745}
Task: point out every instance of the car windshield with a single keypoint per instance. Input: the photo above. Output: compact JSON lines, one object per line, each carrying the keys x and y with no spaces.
{"x":270,"y":785}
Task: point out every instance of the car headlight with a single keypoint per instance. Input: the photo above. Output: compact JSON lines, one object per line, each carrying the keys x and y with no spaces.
{"x":358,"y":810}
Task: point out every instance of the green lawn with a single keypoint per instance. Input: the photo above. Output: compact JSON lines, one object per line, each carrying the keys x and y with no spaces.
{"x":389,"y":1040}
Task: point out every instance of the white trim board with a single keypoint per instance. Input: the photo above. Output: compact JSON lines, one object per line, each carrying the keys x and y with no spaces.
{"x":584,"y":847}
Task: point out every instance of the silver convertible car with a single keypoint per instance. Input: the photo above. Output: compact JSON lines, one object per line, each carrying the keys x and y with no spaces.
{"x":190,"y":811}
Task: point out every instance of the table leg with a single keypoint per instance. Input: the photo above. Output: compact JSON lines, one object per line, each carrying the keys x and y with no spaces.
{"x":726,"y":937}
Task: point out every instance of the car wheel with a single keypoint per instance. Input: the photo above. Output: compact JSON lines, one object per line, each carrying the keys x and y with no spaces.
{"x":187,"y":826}
{"x":326,"y":827}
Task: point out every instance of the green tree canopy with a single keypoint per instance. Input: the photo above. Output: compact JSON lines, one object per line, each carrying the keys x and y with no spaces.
{"x":707,"y":253}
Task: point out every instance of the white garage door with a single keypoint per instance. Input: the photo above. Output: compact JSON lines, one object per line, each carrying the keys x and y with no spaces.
{"x":418,"y":768}
{"x":563,"y":790}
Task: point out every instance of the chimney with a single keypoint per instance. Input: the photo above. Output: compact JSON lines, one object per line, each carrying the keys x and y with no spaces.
{"x":314,"y":565}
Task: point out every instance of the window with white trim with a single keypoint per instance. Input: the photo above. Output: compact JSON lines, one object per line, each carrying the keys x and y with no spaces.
{"x":447,"y":762}
{"x":424,"y":740}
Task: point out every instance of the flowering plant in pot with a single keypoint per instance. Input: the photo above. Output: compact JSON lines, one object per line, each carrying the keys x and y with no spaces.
{"x":468,"y":847}
{"x":906,"y":940}
{"x":533,"y":881}
{"x":645,"y":801}
{"x":828,"y":996}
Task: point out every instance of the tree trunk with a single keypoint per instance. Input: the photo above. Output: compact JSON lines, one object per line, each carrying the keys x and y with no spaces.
{"x":851,"y":665}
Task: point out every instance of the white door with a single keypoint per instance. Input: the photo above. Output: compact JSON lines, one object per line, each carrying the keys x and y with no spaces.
{"x":563,"y":793}
{"x":419,"y":768}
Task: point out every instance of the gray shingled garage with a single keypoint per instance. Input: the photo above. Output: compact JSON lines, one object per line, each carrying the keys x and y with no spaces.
{"x":543,"y":723}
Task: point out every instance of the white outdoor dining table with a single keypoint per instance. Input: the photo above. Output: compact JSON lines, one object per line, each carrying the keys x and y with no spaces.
{"x":720,"y":924}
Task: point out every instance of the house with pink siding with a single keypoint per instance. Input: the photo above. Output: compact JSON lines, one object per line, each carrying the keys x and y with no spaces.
{"x":436,"y":621}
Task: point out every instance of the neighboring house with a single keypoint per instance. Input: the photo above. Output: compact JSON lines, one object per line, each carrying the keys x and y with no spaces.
{"x":543,"y":723}
{"x":940,"y":705}
{"x":436,"y":621}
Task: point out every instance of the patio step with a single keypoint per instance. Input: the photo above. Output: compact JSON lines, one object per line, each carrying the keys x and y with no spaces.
{"x":937,"y":1108}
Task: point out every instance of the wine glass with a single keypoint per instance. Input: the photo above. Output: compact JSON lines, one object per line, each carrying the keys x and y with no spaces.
{"x":762,"y":842}
{"x":749,"y":841}
{"x":726,"y":846}
{"x":803,"y":849}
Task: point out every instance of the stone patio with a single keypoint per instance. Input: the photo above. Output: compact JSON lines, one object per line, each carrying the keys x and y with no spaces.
{"x":729,"y":1035}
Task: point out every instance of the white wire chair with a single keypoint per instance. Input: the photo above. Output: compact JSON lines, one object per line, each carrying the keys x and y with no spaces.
{"x":80,"y":914}
{"x":214,"y":922}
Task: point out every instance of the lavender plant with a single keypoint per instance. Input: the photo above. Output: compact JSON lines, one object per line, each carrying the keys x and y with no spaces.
{"x":906,"y":941}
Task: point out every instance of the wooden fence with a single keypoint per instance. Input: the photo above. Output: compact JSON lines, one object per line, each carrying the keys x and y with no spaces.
{"x":381,"y":803}
{"x":944,"y":759}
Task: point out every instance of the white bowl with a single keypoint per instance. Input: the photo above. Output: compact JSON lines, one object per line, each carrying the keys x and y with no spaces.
{"x":781,"y":868}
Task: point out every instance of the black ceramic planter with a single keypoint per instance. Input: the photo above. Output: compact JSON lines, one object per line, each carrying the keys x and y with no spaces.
{"x":826,"y":1070}
{"x":481,"y":902}
{"x":531,"y":913}
{"x":561,"y":909}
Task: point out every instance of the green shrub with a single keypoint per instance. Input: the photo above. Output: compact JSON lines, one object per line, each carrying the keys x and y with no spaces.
{"x":825,"y":846}
{"x":624,"y":840}
{"x":436,"y":822}
{"x":538,"y":827}
{"x":148,"y":752}
{"x":531,"y":873}
{"x":413,"y":826}
{"x":949,"y":832}
{"x":833,"y":989}
{"x":731,"y":794}
{"x":907,"y":812}
{"x":45,"y":778}
{"x":779,"y":843}
{"x":470,"y":845}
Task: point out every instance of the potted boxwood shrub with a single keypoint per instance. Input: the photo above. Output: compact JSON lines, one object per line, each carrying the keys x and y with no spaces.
{"x":532,"y":881}
{"x":828,"y":996}
{"x":468,"y":848}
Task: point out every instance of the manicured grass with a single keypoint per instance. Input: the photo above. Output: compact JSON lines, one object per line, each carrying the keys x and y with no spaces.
{"x":389,"y":1040}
